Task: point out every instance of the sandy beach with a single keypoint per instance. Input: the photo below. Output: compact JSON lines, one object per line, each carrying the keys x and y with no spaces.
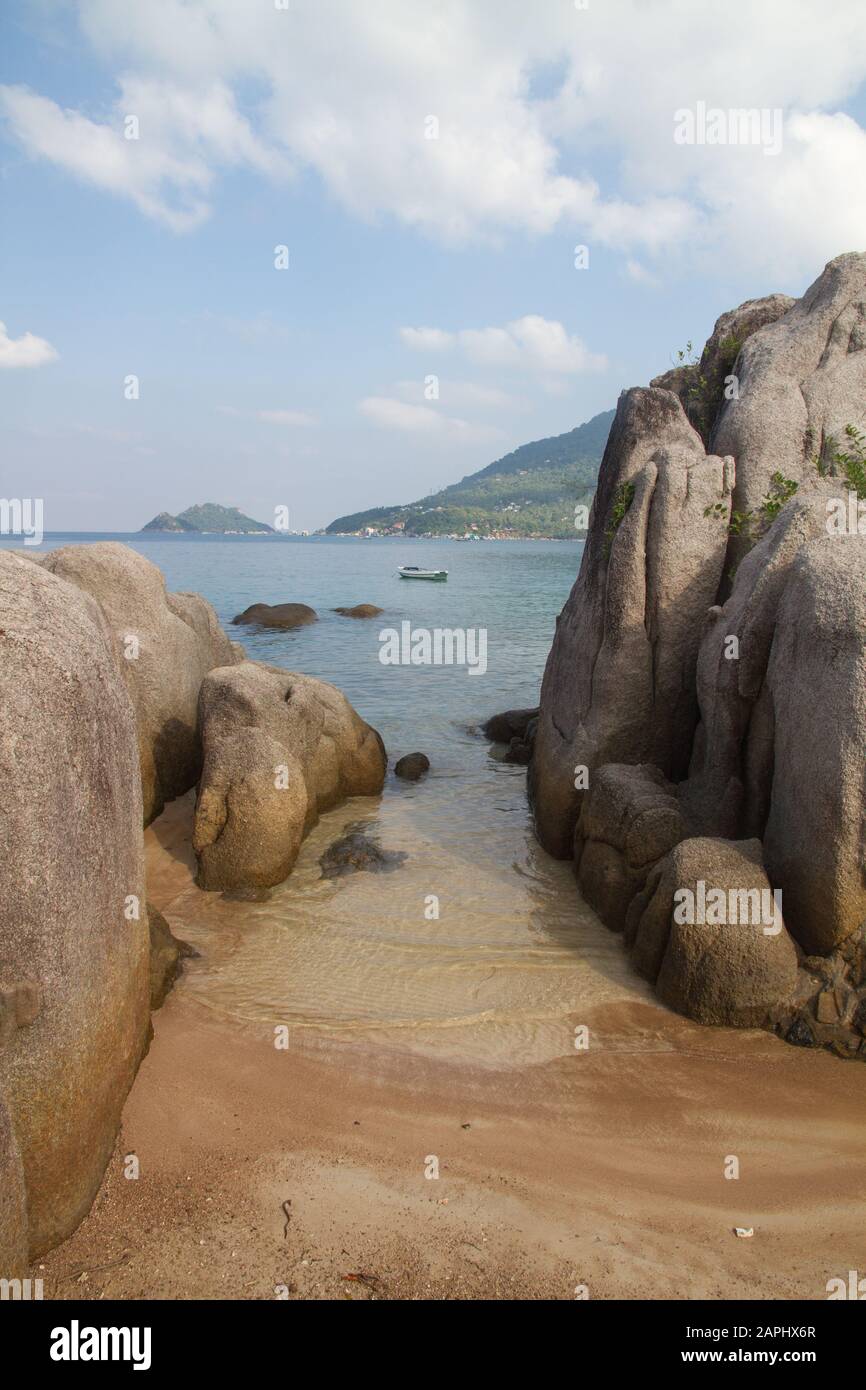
{"x":300,"y":1173}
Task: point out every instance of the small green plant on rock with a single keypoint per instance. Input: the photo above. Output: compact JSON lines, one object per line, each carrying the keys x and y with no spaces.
{"x":848,"y":462}
{"x":782,"y":489}
{"x":754,"y":524}
{"x":729,"y":351}
{"x":622,"y":500}
{"x":698,"y":384}
{"x":702,"y":394}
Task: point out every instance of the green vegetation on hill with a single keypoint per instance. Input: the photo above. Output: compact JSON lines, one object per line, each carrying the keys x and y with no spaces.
{"x":530,"y":492}
{"x":207,"y":516}
{"x":166,"y":522}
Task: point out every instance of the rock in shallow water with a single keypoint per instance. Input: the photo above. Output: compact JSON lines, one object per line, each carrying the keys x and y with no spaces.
{"x":167,"y":954}
{"x":282,"y":615}
{"x":279,"y":748}
{"x":358,"y":851}
{"x":412,"y":766}
{"x":361,"y":610}
{"x":512,"y":723}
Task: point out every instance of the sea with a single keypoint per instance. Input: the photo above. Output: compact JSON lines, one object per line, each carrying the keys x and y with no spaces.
{"x":478,"y":945}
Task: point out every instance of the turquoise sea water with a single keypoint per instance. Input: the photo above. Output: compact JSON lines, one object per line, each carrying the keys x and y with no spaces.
{"x":512,"y":589}
{"x":514,"y":951}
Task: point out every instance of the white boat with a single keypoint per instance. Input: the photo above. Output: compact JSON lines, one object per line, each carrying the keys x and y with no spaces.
{"x":413,"y":572}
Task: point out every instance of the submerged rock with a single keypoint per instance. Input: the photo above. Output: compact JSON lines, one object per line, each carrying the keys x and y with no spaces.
{"x":518,"y":751}
{"x":512,"y":723}
{"x":412,"y":766}
{"x":247,"y":895}
{"x":361,"y":610}
{"x":282,"y":615}
{"x":516,"y":728}
{"x":279,"y":748}
{"x":359,"y":851}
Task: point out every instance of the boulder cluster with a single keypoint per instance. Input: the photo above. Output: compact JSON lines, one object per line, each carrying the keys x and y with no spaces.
{"x":700,"y":749}
{"x":117,"y":697}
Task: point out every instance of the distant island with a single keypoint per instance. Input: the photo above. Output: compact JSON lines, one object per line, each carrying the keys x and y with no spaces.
{"x":531,"y":492}
{"x":209,"y":517}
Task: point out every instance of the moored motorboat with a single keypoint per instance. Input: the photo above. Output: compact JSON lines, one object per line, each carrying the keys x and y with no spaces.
{"x":414,"y":572}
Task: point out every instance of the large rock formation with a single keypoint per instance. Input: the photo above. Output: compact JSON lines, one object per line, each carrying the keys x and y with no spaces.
{"x":781,"y":748}
{"x":802,"y":380}
{"x":730,"y":774}
{"x":701,"y":386}
{"x":14,"y":1256}
{"x":74,"y":950}
{"x":164,"y":644}
{"x":629,"y":820}
{"x":619,"y":685}
{"x":815,"y":834}
{"x":710,"y":936}
{"x":725,"y":651}
{"x":279,"y":748}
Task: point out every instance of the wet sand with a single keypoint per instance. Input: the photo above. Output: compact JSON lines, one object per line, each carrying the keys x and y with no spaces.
{"x":267,"y":1173}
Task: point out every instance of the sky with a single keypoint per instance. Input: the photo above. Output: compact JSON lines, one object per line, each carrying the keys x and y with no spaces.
{"x":495,"y":217}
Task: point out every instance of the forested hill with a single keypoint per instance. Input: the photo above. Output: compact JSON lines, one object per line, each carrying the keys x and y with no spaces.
{"x":530,"y":492}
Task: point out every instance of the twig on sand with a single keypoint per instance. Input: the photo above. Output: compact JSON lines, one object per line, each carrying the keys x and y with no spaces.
{"x":372,"y":1281}
{"x":95,"y":1269}
{"x":288,"y":1215}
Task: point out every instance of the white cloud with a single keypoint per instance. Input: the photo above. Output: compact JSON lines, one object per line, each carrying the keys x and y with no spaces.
{"x":26,"y":351}
{"x":286,"y":417}
{"x":462,"y":394}
{"x":399,"y":415}
{"x":184,"y":136}
{"x":269,"y":417}
{"x":531,"y":343}
{"x":427,"y":339}
{"x":639,"y":273}
{"x":550,"y":119}
{"x":392,"y":414}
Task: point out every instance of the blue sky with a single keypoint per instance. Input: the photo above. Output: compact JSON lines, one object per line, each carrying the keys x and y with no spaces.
{"x":408,"y":256}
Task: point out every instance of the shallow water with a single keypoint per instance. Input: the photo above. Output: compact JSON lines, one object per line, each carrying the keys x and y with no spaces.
{"x":515,"y":957}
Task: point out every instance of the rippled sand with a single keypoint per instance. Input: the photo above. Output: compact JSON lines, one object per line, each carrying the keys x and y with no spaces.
{"x":501,"y":977}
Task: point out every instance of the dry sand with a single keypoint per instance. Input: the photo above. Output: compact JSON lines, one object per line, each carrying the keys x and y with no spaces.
{"x":605,"y":1170}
